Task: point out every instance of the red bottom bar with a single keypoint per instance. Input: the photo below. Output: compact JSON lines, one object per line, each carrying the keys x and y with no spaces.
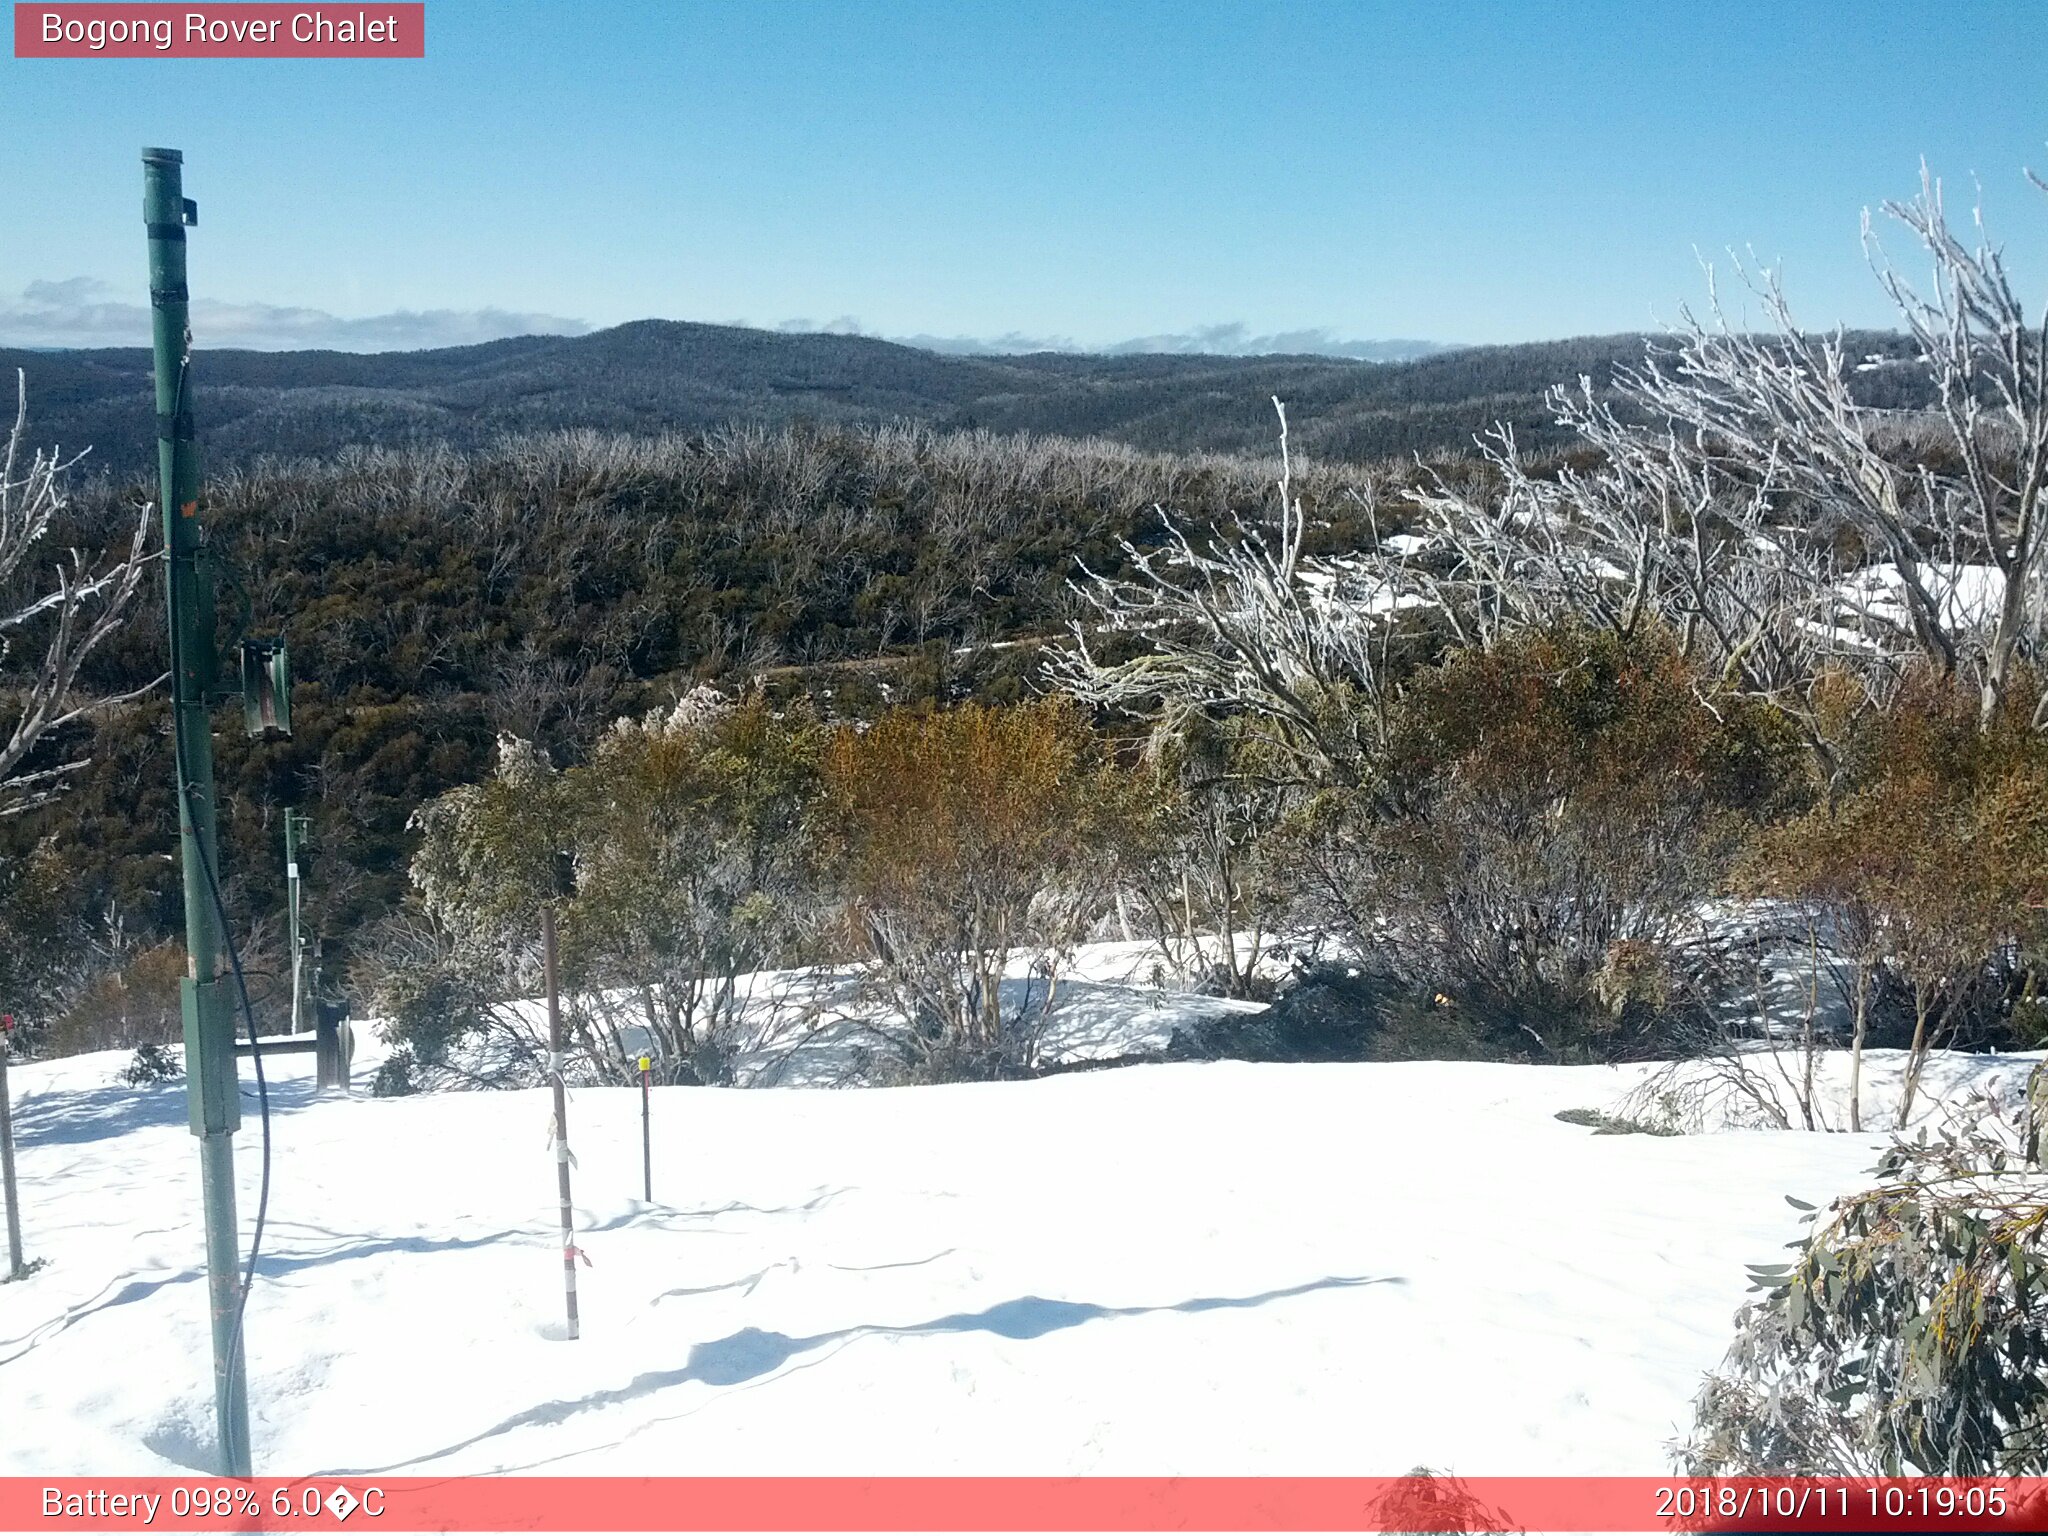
{"x":578,"y":1504}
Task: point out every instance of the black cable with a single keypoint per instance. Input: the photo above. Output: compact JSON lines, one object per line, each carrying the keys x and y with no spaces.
{"x":220,"y":908}
{"x":262,"y":1085}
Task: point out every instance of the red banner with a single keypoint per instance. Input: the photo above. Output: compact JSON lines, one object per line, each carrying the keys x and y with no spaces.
{"x":232,"y":31}
{"x":372,"y":1503}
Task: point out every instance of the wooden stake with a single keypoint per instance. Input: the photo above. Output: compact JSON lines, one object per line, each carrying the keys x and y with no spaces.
{"x":646,"y":1133}
{"x":569,"y":1253}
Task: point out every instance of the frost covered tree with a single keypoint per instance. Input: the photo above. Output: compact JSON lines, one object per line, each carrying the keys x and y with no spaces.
{"x":1238,"y":625}
{"x":1743,"y":493}
{"x":1739,"y":487}
{"x":457,"y":981}
{"x":53,"y":614}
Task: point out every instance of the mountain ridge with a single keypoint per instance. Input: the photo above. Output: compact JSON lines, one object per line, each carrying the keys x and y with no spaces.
{"x":666,"y":375}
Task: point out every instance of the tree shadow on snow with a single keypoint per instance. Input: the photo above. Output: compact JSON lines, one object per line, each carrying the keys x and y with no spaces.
{"x":746,"y":1285}
{"x":62,"y":1117}
{"x":670,"y":1218}
{"x":753,"y":1353}
{"x":131,"y":1288}
{"x":127,"y":1289}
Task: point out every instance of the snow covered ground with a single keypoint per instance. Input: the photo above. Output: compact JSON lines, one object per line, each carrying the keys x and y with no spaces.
{"x":1203,"y":1268}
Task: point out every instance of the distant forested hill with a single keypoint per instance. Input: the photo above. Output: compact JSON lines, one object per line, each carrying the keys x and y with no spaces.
{"x":656,"y":375}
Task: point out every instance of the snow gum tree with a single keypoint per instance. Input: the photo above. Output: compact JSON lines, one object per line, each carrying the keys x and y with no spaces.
{"x":1906,"y":1337}
{"x":1831,"y":552}
{"x":1235,"y":626}
{"x":56,"y":609}
{"x":1741,"y":491}
{"x":1808,"y":528}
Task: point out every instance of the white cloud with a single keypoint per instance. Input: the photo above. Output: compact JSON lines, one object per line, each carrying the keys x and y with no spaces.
{"x":845,"y":325}
{"x":1236,"y":339}
{"x":83,"y":312}
{"x":1230,"y":339}
{"x":1007,"y":343}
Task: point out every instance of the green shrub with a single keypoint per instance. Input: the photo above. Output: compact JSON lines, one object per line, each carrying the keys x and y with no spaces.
{"x":676,"y":859}
{"x":1539,"y":834}
{"x":963,"y":838}
{"x":1928,"y":866}
{"x":152,"y":1064}
{"x":1908,"y":1337}
{"x":395,"y":1075}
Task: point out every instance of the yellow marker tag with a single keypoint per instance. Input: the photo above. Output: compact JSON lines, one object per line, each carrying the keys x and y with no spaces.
{"x":644,"y":1063}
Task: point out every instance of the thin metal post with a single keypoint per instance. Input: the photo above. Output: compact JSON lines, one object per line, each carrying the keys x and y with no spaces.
{"x":211,"y":1084}
{"x":646,"y":1131}
{"x":569,"y":1251}
{"x":17,"y":1267}
{"x":294,"y":825}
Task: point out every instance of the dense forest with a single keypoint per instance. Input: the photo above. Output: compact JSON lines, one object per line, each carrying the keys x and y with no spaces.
{"x":547,"y":584}
{"x":541,"y":535}
{"x":445,"y":571}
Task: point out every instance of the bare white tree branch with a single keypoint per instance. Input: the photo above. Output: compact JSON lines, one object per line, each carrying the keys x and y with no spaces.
{"x":60,"y":615}
{"x":1237,"y":623}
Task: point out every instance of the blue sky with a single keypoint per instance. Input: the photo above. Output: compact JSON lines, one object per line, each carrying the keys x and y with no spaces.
{"x":1084,"y":172}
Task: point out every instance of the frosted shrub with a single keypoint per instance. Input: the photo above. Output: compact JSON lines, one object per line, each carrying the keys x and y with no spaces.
{"x":394,"y":1077}
{"x":676,"y":862}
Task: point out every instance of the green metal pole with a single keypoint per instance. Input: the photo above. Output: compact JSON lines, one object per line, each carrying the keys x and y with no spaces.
{"x":294,"y":827}
{"x":17,"y":1269}
{"x":209,"y":1014}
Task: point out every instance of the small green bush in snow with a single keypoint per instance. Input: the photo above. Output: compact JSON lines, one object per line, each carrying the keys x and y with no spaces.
{"x":1908,"y":1337}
